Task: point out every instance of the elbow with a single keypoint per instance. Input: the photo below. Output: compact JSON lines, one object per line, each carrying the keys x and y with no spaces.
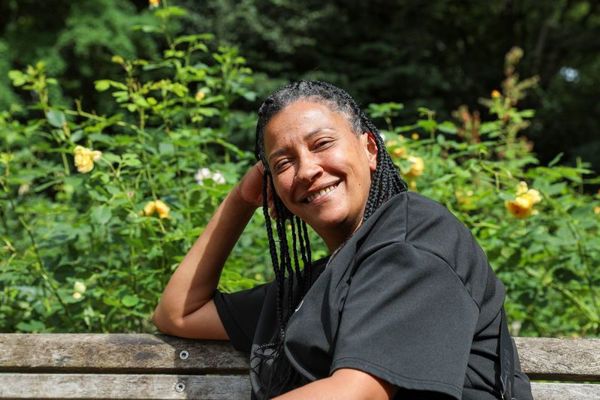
{"x":165,"y":323}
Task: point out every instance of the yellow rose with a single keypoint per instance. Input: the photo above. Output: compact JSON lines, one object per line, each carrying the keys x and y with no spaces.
{"x":157,"y":206}
{"x":149,"y":208}
{"x":417,"y":166}
{"x":522,"y":206}
{"x":84,"y":158}
{"x":162,"y":209}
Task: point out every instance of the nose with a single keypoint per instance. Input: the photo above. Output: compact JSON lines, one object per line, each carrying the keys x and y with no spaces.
{"x":308,"y":168}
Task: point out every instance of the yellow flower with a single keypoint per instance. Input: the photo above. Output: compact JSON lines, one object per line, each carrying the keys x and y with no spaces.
{"x":84,"y":158}
{"x":200,"y":95}
{"x":597,"y":210}
{"x":157,"y":206}
{"x":522,"y":206}
{"x":399,"y":152}
{"x":162,"y":209}
{"x":77,"y":295}
{"x":149,"y":208}
{"x":153,"y":3}
{"x":414,"y":136}
{"x":496,"y":94}
{"x":417,"y":167}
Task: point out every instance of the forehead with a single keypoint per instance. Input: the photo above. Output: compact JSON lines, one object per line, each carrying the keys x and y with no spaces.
{"x":302,"y":118}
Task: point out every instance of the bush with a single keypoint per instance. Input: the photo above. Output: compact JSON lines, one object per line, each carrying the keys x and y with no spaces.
{"x":98,"y":210}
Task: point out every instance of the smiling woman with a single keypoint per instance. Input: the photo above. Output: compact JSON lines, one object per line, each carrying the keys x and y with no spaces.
{"x":405,"y":307}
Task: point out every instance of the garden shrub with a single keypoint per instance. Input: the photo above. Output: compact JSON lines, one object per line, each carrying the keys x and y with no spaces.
{"x":98,"y":210}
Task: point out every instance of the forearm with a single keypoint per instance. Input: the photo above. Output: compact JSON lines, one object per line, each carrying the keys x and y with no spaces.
{"x":346,"y":384}
{"x":196,"y":278}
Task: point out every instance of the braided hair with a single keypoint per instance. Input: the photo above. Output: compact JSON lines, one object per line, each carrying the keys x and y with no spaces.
{"x":293,"y":281}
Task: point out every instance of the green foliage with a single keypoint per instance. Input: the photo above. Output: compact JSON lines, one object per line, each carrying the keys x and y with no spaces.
{"x":98,"y":210}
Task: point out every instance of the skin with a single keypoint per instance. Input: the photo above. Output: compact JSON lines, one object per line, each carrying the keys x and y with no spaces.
{"x":309,"y":147}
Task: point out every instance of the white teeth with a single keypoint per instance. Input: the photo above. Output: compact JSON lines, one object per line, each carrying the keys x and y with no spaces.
{"x":320,"y":193}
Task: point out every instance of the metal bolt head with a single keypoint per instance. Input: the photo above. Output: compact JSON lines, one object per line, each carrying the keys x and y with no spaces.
{"x":179,"y":387}
{"x":184,"y":354}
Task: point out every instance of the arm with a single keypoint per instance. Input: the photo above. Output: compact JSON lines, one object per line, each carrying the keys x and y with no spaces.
{"x":186,"y":308}
{"x":345,"y":383}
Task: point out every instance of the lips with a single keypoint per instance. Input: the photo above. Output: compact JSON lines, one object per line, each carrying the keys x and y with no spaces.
{"x":321,"y":192}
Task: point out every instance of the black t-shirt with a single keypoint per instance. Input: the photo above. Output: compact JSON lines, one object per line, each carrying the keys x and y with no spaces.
{"x":409,"y":298}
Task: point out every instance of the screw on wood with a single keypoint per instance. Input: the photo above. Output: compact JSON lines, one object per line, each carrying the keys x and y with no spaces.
{"x":184,"y":354}
{"x":179,"y":387}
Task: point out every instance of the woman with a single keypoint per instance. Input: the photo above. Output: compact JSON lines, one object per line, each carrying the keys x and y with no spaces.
{"x":406,"y":305}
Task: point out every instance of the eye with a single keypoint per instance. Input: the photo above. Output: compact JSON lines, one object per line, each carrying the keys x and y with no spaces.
{"x":322,"y":143}
{"x":281,"y":165}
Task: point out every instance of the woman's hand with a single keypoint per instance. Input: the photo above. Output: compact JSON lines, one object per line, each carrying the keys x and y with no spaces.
{"x":250,"y":187}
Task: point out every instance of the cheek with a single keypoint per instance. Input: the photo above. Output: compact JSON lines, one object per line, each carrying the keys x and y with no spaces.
{"x":282,"y":183}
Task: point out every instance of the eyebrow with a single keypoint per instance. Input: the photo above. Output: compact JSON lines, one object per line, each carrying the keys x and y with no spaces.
{"x":306,"y":137}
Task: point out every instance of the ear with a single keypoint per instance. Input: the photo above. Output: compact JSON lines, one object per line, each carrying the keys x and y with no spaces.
{"x":370,"y":147}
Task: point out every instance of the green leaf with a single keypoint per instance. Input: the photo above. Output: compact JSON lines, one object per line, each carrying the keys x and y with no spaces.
{"x":102,"y":85}
{"x":447,"y":127}
{"x":17,"y":77}
{"x":131,"y":159}
{"x":130,"y":300}
{"x":110,"y":157}
{"x":31,"y":326}
{"x":56,"y":118}
{"x":166,"y":148}
{"x":101,"y":215}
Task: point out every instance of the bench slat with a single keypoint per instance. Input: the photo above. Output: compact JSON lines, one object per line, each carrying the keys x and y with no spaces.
{"x":541,"y":358}
{"x":560,"y":359}
{"x":217,"y":387}
{"x":565,"y":391}
{"x":118,"y":386}
{"x":116,"y":353}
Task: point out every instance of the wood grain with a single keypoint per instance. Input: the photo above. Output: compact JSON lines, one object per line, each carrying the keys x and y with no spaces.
{"x":118,"y":386}
{"x":565,"y":391}
{"x":144,"y":366}
{"x":213,"y":387}
{"x":560,"y":359}
{"x":116,"y":353}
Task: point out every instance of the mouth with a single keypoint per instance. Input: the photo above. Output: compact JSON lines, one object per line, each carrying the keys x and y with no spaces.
{"x":322,"y":192}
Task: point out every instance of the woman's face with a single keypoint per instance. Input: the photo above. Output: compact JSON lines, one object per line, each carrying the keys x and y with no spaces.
{"x":321,"y":168}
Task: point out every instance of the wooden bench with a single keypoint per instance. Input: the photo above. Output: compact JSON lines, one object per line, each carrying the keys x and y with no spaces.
{"x":143,"y":366}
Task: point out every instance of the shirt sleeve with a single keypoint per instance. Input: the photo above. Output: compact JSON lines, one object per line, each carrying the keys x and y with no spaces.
{"x":407,"y":318}
{"x":239,"y":313}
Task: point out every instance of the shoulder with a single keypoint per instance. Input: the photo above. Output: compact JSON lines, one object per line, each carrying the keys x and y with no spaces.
{"x":415,"y":219}
{"x":412,"y":221}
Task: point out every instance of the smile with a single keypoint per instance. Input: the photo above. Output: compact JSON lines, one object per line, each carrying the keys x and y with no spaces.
{"x":321,"y":193}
